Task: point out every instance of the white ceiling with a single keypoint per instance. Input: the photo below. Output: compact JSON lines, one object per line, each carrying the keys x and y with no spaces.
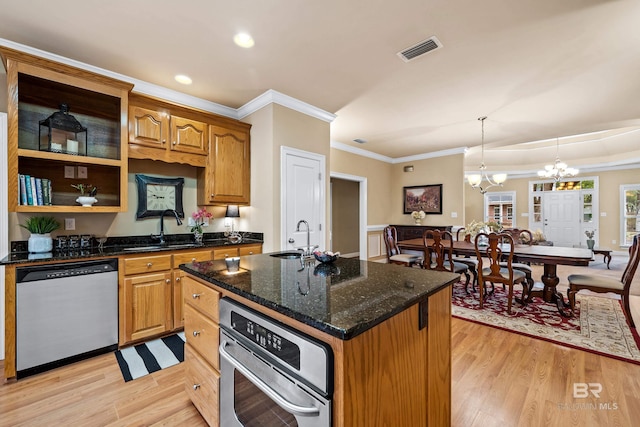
{"x":538,"y":69}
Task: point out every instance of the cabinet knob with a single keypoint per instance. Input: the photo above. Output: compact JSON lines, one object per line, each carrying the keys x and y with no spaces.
{"x":174,"y":143}
{"x":164,"y":141}
{"x":196,"y":333}
{"x":177,"y":279}
{"x":193,"y":260}
{"x":149,"y":264}
{"x":167,"y":280}
{"x":213,"y":195}
{"x":250,"y":252}
{"x":196,"y":296}
{"x":196,"y":386}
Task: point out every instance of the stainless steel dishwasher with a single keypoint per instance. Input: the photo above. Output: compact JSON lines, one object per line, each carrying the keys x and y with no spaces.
{"x":64,"y":313}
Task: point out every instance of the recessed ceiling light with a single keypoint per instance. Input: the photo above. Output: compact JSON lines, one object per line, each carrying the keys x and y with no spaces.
{"x":181,"y":78}
{"x":243,"y":40}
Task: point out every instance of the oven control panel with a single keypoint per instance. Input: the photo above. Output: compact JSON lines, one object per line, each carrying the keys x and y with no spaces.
{"x":275,"y":344}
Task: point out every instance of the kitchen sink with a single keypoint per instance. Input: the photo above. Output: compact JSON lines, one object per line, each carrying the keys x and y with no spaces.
{"x":287,"y":255}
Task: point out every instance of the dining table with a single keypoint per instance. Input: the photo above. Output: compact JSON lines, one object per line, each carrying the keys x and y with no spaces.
{"x":549,"y":256}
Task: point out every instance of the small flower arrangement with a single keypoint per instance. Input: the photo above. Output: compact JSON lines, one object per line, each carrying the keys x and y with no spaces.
{"x":476,"y":227}
{"x":86,"y":189}
{"x":590,"y":233}
{"x":200,"y":217}
{"x":418,"y":214}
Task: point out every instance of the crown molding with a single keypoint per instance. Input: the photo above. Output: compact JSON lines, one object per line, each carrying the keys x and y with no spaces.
{"x":360,"y":152}
{"x":146,"y":88}
{"x":365,"y":153}
{"x":274,"y":97}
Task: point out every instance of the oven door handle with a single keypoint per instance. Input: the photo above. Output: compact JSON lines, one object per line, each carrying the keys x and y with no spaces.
{"x":277,"y":398}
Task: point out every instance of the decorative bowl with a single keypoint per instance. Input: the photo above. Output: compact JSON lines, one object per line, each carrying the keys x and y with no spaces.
{"x":326,"y":257}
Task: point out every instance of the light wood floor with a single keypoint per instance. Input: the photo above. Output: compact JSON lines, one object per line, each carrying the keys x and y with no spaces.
{"x":499,"y":379}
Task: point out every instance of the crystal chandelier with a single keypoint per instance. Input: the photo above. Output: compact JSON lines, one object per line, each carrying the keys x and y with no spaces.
{"x":475,"y":180}
{"x":559,"y":169}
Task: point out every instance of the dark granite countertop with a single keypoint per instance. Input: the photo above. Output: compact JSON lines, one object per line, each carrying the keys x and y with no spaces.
{"x":124,"y":245}
{"x":344,"y":298}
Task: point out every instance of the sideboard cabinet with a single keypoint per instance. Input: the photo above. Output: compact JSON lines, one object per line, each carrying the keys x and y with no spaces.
{"x":37,"y":88}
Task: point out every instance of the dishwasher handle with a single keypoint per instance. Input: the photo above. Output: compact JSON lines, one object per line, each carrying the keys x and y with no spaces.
{"x":277,"y":398}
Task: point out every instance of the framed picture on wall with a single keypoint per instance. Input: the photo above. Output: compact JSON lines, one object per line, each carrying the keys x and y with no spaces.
{"x":427,"y":198}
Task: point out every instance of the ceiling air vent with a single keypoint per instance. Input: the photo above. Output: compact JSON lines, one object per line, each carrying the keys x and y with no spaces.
{"x":413,"y":52}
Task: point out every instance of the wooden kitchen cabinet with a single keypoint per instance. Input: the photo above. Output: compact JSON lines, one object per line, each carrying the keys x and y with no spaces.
{"x":161,"y":131}
{"x":146,"y":309}
{"x":250,"y":249}
{"x":240,"y":250}
{"x":226,"y":177}
{"x":148,"y":305}
{"x":37,"y":87}
{"x":177,"y":274}
{"x":153,"y":302}
{"x":202,"y":367}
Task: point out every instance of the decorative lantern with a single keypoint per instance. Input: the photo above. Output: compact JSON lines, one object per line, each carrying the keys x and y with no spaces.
{"x":62,"y":133}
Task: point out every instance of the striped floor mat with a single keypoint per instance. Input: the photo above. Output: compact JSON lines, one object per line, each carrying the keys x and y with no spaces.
{"x":142,"y":359}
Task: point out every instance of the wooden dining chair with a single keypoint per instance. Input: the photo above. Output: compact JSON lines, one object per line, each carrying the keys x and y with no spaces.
{"x":439,"y":254}
{"x":394,"y":256}
{"x":603,"y":284}
{"x":498,"y":250}
{"x":471,"y":263}
{"x":522,"y":237}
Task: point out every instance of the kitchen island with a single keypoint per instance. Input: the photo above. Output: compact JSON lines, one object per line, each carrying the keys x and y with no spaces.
{"x":388,"y":328}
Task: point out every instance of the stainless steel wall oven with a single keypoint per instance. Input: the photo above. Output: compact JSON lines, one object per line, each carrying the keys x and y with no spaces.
{"x":270,"y":374}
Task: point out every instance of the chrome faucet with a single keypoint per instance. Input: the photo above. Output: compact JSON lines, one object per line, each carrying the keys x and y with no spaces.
{"x":161,"y":235}
{"x":308,"y":250}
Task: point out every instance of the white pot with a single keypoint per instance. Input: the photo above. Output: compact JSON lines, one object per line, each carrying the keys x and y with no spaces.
{"x":86,"y":200}
{"x":39,"y":243}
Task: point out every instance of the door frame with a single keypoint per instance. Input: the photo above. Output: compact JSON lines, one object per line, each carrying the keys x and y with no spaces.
{"x":362,"y":192}
{"x":284,"y":152}
{"x":4,"y":221}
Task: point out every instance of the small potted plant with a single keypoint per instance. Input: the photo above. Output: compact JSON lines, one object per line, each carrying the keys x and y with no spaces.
{"x":40,"y":228}
{"x":590,"y":242}
{"x":87,"y":194}
{"x":200,"y":218}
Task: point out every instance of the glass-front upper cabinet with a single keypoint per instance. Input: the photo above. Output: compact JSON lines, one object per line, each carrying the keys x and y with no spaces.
{"x":630,"y":209}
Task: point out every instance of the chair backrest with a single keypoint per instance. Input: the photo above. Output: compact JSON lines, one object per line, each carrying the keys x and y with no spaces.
{"x":460,"y":234}
{"x":391,"y":241}
{"x":498,"y":253}
{"x":521,"y":236}
{"x":439,"y":245}
{"x":632,"y":265}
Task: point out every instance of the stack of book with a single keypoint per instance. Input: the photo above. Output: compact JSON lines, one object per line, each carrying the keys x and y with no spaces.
{"x":34,"y":191}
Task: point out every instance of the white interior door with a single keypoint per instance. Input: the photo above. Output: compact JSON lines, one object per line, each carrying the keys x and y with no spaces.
{"x":562,"y":217}
{"x":303,"y":198}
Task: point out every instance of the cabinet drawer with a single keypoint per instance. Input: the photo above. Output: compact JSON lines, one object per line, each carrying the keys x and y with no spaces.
{"x":193,"y":256}
{"x":202,"y":297}
{"x":202,"y":383}
{"x":203,"y":334}
{"x":250,"y":250}
{"x":147,"y":264}
{"x":225,"y":253}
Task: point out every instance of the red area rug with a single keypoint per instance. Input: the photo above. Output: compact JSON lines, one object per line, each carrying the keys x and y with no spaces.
{"x":599,"y":325}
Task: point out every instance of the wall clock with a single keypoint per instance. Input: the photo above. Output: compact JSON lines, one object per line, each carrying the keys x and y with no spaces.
{"x":158,"y":194}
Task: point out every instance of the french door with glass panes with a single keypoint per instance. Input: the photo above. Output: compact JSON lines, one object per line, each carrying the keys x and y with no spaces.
{"x":630,"y":209}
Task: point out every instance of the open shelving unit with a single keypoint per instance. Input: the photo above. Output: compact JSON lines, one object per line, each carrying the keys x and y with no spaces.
{"x":36,"y":88}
